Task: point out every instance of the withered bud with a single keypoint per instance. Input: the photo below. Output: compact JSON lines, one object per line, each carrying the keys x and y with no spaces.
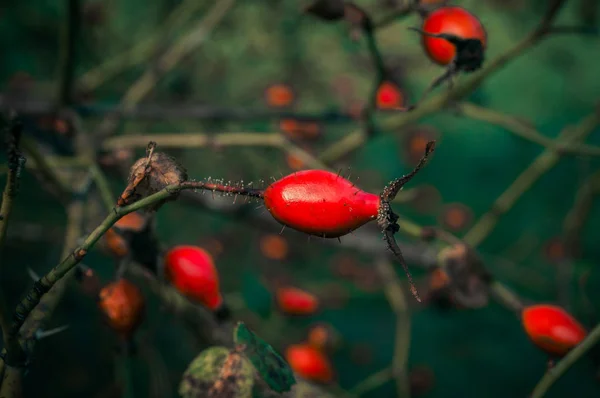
{"x":150,"y":175}
{"x":329,"y":10}
{"x":468,"y":287}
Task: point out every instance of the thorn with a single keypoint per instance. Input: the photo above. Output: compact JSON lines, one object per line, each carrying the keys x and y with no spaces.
{"x":339,"y":240}
{"x":33,"y":275}
{"x":282,"y":229}
{"x":42,"y":334}
{"x":338,"y":173}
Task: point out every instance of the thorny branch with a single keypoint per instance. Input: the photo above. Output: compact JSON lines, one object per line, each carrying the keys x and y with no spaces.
{"x":16,"y":162}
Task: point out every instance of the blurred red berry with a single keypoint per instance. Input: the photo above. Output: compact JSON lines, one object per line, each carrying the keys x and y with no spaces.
{"x":192,"y":272}
{"x":310,"y":363}
{"x":552,"y":328}
{"x":295,"y":301}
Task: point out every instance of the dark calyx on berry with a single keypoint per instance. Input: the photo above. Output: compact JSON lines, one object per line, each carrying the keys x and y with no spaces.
{"x":469,"y":54}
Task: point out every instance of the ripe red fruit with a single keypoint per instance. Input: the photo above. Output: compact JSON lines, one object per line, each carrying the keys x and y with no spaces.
{"x":389,"y":96}
{"x":552,"y":329}
{"x":123,"y":306}
{"x":450,"y":21}
{"x":295,"y":301}
{"x":309,"y":363}
{"x":321,"y":203}
{"x":192,"y":271}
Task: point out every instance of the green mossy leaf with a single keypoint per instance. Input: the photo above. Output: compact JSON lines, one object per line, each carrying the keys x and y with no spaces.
{"x":218,"y":373}
{"x":270,"y":365}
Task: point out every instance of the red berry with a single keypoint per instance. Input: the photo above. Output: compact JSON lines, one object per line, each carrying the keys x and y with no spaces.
{"x":123,"y":305}
{"x":389,"y":96}
{"x":552,"y":329}
{"x":295,"y":301}
{"x":309,"y":363}
{"x":192,"y":271}
{"x":321,"y":203}
{"x":450,"y":20}
{"x":279,"y":95}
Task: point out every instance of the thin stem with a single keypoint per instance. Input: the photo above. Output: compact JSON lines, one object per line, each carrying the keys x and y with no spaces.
{"x":47,"y":282}
{"x":372,"y":382}
{"x":524,"y":130}
{"x":402,"y":12}
{"x":67,"y":57}
{"x":578,"y":214}
{"x":123,"y":364}
{"x":184,"y":46}
{"x":47,"y":171}
{"x":540,"y":166}
{"x":168,"y":111}
{"x":556,"y":372}
{"x":142,"y":50}
{"x":194,"y":140}
{"x":395,"y":296}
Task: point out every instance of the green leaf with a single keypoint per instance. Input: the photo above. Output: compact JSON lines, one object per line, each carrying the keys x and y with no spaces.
{"x":218,"y":372}
{"x":270,"y":365}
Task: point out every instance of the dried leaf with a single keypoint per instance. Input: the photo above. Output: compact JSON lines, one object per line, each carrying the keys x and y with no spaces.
{"x":270,"y":365}
{"x":150,"y":175}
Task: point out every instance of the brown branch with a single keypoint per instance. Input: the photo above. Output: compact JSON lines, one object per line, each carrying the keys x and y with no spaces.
{"x":35,"y":107}
{"x":542,"y":164}
{"x":16,"y":162}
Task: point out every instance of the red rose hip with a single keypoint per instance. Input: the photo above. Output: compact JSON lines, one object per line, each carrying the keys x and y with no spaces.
{"x":552,"y":328}
{"x":123,"y":306}
{"x":191,"y":270}
{"x":295,"y":301}
{"x":453,"y":21}
{"x":310,"y":363}
{"x":321,"y":203}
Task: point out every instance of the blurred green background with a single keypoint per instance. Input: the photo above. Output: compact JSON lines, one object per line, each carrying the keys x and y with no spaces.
{"x":471,"y":353}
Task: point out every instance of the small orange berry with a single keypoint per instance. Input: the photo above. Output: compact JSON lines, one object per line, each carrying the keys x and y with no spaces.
{"x":456,"y":216}
{"x":555,"y":250}
{"x":318,"y":336}
{"x":279,"y":95}
{"x":123,"y":306}
{"x":416,"y":140}
{"x":274,"y":247}
{"x":294,"y":162}
{"x":438,"y":279}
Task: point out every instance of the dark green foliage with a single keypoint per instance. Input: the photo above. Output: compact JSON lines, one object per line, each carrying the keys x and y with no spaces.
{"x":269,"y":364}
